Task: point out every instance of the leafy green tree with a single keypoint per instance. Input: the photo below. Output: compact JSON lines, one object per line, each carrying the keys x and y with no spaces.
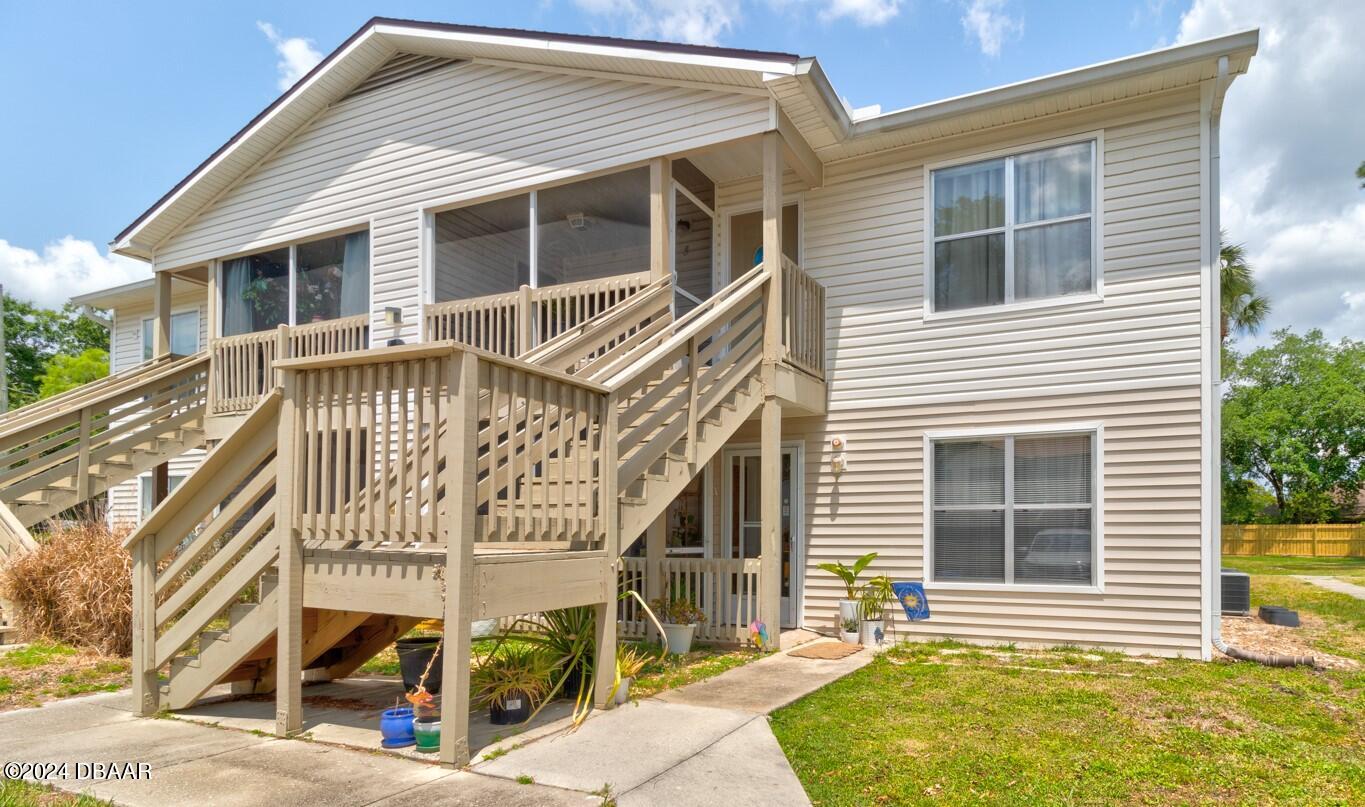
{"x":1294,"y":421}
{"x":1244,"y":311}
{"x":68,"y":372}
{"x":33,"y":335}
{"x":1360,"y":173}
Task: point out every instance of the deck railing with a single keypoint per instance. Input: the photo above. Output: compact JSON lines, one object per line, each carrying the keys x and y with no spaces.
{"x":512,"y":323}
{"x":803,"y":319}
{"x":243,"y":365}
{"x":725,"y":589}
{"x":369,"y":440}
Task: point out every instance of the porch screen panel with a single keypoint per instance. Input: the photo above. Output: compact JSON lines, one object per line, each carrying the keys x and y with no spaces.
{"x":592,"y":229}
{"x":332,"y":277}
{"x":969,"y":510}
{"x":483,"y":249}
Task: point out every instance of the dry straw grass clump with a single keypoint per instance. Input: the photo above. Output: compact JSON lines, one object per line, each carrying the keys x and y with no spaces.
{"x":76,"y":588}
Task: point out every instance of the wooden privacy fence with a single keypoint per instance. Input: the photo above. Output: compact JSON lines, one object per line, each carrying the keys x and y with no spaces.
{"x":1309,"y":540}
{"x":512,"y":323}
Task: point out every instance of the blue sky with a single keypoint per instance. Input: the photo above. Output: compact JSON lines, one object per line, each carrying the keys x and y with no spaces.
{"x":115,"y":104}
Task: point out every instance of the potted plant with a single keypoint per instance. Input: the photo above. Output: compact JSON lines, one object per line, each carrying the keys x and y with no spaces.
{"x":510,"y":680}
{"x":629,"y":662}
{"x":848,"y":607}
{"x":418,"y":655}
{"x":680,"y":617}
{"x":848,"y":631}
{"x":872,"y":601}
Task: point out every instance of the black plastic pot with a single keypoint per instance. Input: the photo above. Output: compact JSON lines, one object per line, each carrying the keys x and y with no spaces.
{"x":413,"y":655}
{"x":515,"y":708}
{"x":1279,"y":615}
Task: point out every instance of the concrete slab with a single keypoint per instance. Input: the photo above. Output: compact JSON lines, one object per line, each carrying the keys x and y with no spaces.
{"x":346,"y":713}
{"x":162,"y":744}
{"x":58,"y":718}
{"x":624,"y":747}
{"x":274,"y":772}
{"x":1333,"y":584}
{"x":746,"y":767}
{"x":461,"y":789}
{"x":768,"y":684}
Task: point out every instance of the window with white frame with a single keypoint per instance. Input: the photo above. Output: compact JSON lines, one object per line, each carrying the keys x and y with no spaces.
{"x":184,"y":334}
{"x":1014,"y":509}
{"x":147,"y":488}
{"x":312,"y":281}
{"x":1014,"y":229}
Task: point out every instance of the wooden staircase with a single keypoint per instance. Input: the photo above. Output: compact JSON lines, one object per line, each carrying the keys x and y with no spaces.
{"x":572,"y":449}
{"x":65,"y":450}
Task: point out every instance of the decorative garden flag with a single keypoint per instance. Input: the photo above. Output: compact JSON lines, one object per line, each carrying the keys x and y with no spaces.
{"x":913,"y":600}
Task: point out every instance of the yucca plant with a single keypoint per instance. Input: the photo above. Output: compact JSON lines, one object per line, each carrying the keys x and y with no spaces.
{"x":513,"y":669}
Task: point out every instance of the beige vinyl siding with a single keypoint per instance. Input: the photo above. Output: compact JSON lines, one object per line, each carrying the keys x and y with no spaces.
{"x":125,"y":352}
{"x":461,"y":132}
{"x":1130,"y":362}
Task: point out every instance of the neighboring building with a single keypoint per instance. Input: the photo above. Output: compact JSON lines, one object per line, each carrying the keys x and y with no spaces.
{"x":986,"y":335}
{"x":130,"y":319}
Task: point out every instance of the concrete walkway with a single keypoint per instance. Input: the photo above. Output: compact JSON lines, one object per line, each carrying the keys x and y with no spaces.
{"x":201,"y":765}
{"x":1333,"y":584}
{"x":706,"y":744}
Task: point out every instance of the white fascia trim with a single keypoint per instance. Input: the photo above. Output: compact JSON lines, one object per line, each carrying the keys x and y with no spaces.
{"x":1057,"y":82}
{"x":589,"y":49}
{"x":293,"y":95}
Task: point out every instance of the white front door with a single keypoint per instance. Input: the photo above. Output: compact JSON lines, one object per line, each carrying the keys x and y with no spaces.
{"x":742,"y":535}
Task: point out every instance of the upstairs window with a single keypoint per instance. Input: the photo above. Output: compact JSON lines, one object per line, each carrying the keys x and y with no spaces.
{"x":1014,"y":229}
{"x":312,"y":281}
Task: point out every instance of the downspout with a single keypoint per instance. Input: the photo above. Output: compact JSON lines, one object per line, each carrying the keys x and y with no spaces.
{"x":1216,"y":398}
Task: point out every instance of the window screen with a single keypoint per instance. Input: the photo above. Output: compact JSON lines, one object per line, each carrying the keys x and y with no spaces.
{"x":1014,"y":509}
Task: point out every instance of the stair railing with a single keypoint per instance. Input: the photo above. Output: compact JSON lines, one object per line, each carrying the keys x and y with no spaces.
{"x":112,"y":427}
{"x":204,"y":547}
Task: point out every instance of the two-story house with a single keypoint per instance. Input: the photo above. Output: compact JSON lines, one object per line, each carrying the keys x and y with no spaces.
{"x":497,"y":321}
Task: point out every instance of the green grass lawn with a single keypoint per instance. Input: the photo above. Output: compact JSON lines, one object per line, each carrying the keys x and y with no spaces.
{"x":44,"y":671}
{"x":943,"y":723}
{"x":935,"y":723}
{"x":1272,"y":564}
{"x":29,"y":794}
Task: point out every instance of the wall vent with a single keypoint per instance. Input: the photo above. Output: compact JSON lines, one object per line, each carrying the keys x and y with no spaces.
{"x":400,"y":67}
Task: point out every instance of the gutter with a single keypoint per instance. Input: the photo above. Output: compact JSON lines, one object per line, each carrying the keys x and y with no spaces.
{"x":1214,"y":236}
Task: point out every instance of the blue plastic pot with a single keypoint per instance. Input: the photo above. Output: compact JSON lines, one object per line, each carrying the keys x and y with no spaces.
{"x":396,"y":727}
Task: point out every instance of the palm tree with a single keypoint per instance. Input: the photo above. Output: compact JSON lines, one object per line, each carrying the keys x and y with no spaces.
{"x":1243,"y":309}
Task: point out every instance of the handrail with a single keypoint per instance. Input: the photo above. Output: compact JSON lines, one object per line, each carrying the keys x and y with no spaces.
{"x":803,"y":319}
{"x":243,"y":364}
{"x":100,"y":391}
{"x":611,"y":329}
{"x":63,"y":400}
{"x":511,"y":323}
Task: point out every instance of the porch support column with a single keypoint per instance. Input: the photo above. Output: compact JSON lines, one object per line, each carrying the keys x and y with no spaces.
{"x":604,"y":678}
{"x":660,"y":225}
{"x":655,"y":541}
{"x":289,"y":594}
{"x":770,"y":486}
{"x":212,"y":329}
{"x":161,"y":346}
{"x":461,"y":441}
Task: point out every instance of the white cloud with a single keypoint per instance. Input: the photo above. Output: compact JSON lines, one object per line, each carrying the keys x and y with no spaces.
{"x":699,"y":22}
{"x":987,"y":22}
{"x":297,"y":55}
{"x":65,"y":269}
{"x":1293,"y":132}
{"x":863,"y":12}
{"x":707,"y":22}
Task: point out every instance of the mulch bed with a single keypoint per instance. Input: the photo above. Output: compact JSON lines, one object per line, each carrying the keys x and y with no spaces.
{"x":1250,"y":633}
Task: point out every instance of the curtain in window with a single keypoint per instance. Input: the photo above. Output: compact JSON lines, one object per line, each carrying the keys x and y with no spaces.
{"x":355,"y":275}
{"x":1052,"y":259}
{"x":1052,"y":184}
{"x":237,"y":317}
{"x":969,"y":198}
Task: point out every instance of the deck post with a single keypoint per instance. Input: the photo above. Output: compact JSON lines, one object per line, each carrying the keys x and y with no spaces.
{"x":770,"y":460}
{"x":656,"y":538}
{"x":461,"y":450}
{"x":211,"y":394}
{"x":660,"y":223}
{"x":289,"y":631}
{"x":146,"y":686}
{"x":161,"y":346}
